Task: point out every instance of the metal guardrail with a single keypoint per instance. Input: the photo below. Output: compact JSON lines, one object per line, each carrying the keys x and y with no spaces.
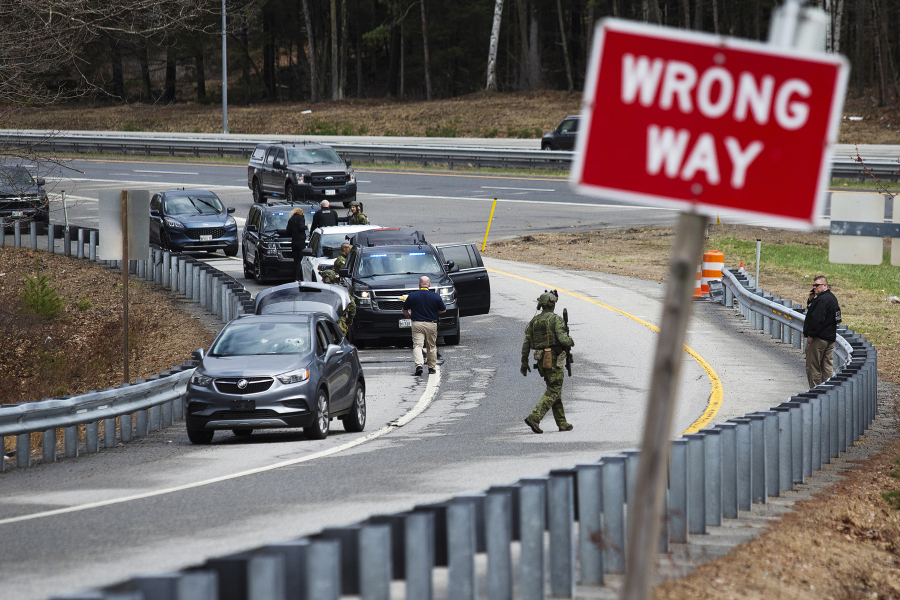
{"x":131,"y":409}
{"x":713,"y":475}
{"x":221,"y":145}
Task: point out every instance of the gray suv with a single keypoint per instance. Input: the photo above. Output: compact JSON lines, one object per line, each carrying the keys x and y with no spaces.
{"x":303,"y":172}
{"x":275,"y":372}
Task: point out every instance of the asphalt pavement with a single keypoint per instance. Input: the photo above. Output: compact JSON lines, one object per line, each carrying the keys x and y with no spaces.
{"x":161,"y":503}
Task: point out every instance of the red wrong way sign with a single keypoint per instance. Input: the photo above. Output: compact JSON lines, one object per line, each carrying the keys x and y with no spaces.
{"x":699,"y":122}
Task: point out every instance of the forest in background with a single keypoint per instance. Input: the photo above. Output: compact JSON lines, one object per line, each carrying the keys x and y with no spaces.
{"x":313,"y":50}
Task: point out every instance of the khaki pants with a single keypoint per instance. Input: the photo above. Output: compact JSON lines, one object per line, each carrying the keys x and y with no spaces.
{"x":424,"y":334}
{"x":819,"y":361}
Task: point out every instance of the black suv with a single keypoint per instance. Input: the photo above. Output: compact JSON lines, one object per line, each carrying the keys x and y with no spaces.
{"x":265,"y":243}
{"x":563,"y":137}
{"x":384,"y":266}
{"x":300,"y":172}
{"x":22,"y":198}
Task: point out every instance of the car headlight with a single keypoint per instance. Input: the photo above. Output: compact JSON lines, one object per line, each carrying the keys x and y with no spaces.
{"x":363,"y":298}
{"x":201,"y":380}
{"x":173,"y":223}
{"x":230,"y":222}
{"x":269,"y":249}
{"x":446,"y":294}
{"x":294,"y":376}
{"x":352,"y":177}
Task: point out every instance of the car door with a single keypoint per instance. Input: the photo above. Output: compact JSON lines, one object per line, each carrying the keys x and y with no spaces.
{"x":156,"y":219}
{"x":568,"y":131}
{"x":268,"y":171}
{"x":473,"y":287}
{"x":251,"y":238}
{"x":345,"y":377}
{"x":309,"y":270}
{"x":334,"y":370}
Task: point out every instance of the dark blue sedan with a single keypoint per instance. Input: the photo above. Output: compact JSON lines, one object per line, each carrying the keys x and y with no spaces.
{"x":192,"y":221}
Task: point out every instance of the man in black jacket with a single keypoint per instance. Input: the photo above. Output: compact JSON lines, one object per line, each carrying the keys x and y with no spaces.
{"x":820,"y":330}
{"x":324,"y":217}
{"x":296,"y":228}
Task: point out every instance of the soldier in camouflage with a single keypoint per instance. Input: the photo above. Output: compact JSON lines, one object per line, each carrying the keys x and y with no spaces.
{"x":349,"y":312}
{"x":546,"y":336}
{"x":341,"y":260}
{"x":356,"y":216}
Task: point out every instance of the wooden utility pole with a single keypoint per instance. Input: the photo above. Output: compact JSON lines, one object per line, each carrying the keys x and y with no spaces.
{"x":125,"y":377}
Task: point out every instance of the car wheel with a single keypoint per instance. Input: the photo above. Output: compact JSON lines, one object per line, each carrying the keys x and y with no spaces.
{"x":231,"y":251}
{"x":546,"y":146}
{"x":258,"y":197}
{"x":248,"y":270}
{"x":355,"y":420}
{"x":257,"y":270}
{"x":319,"y":428}
{"x":199,"y":436}
{"x":242,"y":432}
{"x":452,"y":340}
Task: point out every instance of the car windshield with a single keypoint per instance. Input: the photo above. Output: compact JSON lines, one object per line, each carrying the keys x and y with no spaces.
{"x":14,"y":177}
{"x":276,"y":220}
{"x":244,"y":338}
{"x":193,"y":205}
{"x":382,"y":261}
{"x":312,"y":156}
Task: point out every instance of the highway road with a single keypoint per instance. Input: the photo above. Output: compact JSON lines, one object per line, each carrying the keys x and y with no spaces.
{"x":161,"y":503}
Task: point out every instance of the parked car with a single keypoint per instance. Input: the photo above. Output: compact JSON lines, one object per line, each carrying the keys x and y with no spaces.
{"x":273,"y":372}
{"x":265,"y":243}
{"x":325,"y":246}
{"x":304,"y":296}
{"x":384,"y":266}
{"x":22,"y":197}
{"x":563,"y":137}
{"x":300,"y":172}
{"x":192,"y":221}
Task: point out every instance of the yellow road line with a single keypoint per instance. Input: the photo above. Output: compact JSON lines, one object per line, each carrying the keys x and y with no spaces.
{"x":715,"y":395}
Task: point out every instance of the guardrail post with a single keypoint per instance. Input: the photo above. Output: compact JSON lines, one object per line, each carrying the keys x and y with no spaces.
{"x":561,"y":494}
{"x":533,"y":520}
{"x":797,"y":335}
{"x":498,"y":534}
{"x":141,"y":269}
{"x":17,"y":233}
{"x":840,"y":383}
{"x":166,"y":275}
{"x":48,"y":446}
{"x":712,"y":458}
{"x":223,"y":302}
{"x":32,"y":230}
{"x":613,"y":482}
{"x":825,"y":435}
{"x":744,"y":472}
{"x":92,"y":437}
{"x":590,"y":527}
{"x":418,"y":537}
{"x":758,"y":475}
{"x":775,"y":325}
{"x":696,"y":484}
{"x":375,"y":562}
{"x":796,"y":411}
{"x":729,"y":469}
{"x":677,"y":513}
{"x":786,"y":330}
{"x":166,"y":410}
{"x":785,"y":449}
{"x":23,"y":450}
{"x":80,"y":250}
{"x":67,"y":242}
{"x":109,"y":433}
{"x":51,"y":237}
{"x":182,"y":275}
{"x":141,"y":423}
{"x":833,"y":443}
{"x":155,"y":418}
{"x":125,"y":431}
{"x":772,"y":455}
{"x":461,"y":549}
{"x":92,"y":245}
{"x":216,"y":296}
{"x":71,"y":441}
{"x":195,"y":282}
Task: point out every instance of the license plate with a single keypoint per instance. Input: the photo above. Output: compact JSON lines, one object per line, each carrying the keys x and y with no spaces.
{"x":405,"y":323}
{"x":330,"y":192}
{"x":243,"y":405}
{"x":205,"y":238}
{"x":18,"y":213}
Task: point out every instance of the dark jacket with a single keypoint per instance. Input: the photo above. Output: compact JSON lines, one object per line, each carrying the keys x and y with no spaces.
{"x":296,"y":228}
{"x":324,"y":217}
{"x":822,"y":317}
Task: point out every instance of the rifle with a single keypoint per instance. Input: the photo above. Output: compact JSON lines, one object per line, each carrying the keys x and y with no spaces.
{"x":569,"y":358}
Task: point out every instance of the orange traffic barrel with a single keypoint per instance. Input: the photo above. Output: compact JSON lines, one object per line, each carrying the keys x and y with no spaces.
{"x":698,"y":290}
{"x":713,"y":263}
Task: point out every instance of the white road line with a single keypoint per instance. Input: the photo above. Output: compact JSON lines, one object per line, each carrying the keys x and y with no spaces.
{"x":118,"y":182}
{"x":515,"y":189}
{"x":424,"y":401}
{"x":587,"y":204}
{"x":163,"y":172}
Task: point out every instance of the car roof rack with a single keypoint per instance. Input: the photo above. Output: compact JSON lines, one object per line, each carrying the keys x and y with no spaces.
{"x":388,"y":236}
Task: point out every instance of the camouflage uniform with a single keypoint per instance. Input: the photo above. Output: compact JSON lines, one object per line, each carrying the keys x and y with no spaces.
{"x":339,"y":262}
{"x":349,"y":313}
{"x":358,"y":219}
{"x":547,"y":330}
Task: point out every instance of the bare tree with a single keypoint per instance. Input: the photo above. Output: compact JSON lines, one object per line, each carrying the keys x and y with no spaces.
{"x":565,"y":46}
{"x":425,"y":49}
{"x":310,"y":38}
{"x":492,"y":49}
{"x":524,"y":54}
{"x":335,"y":74}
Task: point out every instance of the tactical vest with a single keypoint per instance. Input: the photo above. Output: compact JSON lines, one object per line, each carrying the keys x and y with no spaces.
{"x":542,"y":334}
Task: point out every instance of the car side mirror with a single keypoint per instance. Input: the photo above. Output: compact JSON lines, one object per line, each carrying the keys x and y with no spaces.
{"x":344,"y":272}
{"x":452,"y":267}
{"x":230,"y":210}
{"x":154,"y":213}
{"x":198,"y":354}
{"x":278,"y":164}
{"x":331,"y":351}
{"x":306,"y":252}
{"x":41,"y":181}
{"x":348,"y":163}
{"x":250,"y":228}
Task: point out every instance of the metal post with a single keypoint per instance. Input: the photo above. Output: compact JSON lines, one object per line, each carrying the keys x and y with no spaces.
{"x":93,"y":246}
{"x":224,"y":72}
{"x":419,"y":555}
{"x":786,"y":329}
{"x":48,"y":446}
{"x":17,"y":234}
{"x":375,"y":562}
{"x":461,"y":549}
{"x":167,"y":416}
{"x":613,"y":482}
{"x":796,"y":411}
{"x":203,"y":298}
{"x":772,"y":452}
{"x":51,"y":237}
{"x":92,"y":437}
{"x":758,"y":475}
{"x":590,"y":507}
{"x":498,"y":530}
{"x":155,"y":417}
{"x":109,"y":433}
{"x":32,"y":230}
{"x":125,"y":429}
{"x":532,"y":515}
{"x":758,"y":247}
{"x":678,"y":491}
{"x":561,"y":494}
{"x":71,"y":441}
{"x":67,"y":242}
{"x":785,"y":448}
{"x":729,"y":469}
{"x":696,"y":484}
{"x":142,"y":423}
{"x":712,"y":458}
{"x":23,"y":450}
{"x":744,"y":472}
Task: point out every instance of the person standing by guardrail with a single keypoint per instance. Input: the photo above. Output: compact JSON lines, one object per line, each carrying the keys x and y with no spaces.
{"x":823,"y":315}
{"x":296,"y":228}
{"x":546,"y":335}
{"x":423,"y":306}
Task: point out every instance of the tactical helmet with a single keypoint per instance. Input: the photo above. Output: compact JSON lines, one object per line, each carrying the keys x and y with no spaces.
{"x":329,"y":276}
{"x":354,"y":203}
{"x":547,"y":300}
